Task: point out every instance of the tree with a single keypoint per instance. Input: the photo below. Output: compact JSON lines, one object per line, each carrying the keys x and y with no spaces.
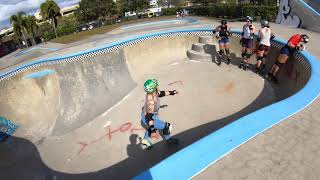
{"x":31,"y":27}
{"x":139,"y":5}
{"x":90,"y":10}
{"x":50,"y":10}
{"x":18,"y":22}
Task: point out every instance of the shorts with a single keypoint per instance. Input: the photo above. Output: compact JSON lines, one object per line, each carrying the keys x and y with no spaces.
{"x":286,"y":50}
{"x":247,"y":43}
{"x":224,"y":41}
{"x":263,"y":48}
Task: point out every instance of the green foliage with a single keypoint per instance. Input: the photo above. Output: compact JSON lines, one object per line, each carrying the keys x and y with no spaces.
{"x":236,"y":11}
{"x":18,"y":22}
{"x":67,"y":25}
{"x":90,"y":10}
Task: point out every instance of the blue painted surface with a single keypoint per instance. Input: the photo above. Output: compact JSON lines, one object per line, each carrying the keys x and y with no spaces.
{"x":199,"y":155}
{"x":39,"y":74}
{"x":7,"y":128}
{"x":110,"y":45}
{"x":159,"y":23}
{"x":34,"y":48}
{"x":309,"y":7}
{"x":191,"y":160}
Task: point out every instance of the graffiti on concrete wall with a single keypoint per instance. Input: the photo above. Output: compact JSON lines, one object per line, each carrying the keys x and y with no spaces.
{"x":7,"y":128}
{"x":284,"y":15}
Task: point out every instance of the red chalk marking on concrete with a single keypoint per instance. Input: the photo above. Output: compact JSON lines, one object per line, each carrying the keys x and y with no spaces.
{"x":109,"y":132}
{"x":176,"y":82}
{"x":83,"y":146}
{"x":125,"y":127}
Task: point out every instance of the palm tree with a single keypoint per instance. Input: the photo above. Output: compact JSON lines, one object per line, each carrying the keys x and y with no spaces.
{"x":31,"y":27}
{"x":19,"y":25}
{"x":50,"y":10}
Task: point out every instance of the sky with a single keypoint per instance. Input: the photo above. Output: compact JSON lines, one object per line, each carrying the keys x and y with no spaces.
{"x":10,"y":7}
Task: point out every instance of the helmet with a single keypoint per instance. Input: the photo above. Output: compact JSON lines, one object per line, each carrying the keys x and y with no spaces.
{"x":223,"y":22}
{"x":264,"y":23}
{"x":249,"y":18}
{"x":304,"y":38}
{"x":150,"y":85}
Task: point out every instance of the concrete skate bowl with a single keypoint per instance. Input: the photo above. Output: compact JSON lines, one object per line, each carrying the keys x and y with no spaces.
{"x":58,"y":96}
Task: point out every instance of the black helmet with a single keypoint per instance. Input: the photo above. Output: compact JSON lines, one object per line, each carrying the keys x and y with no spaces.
{"x":248,"y":18}
{"x":264,"y":23}
{"x":304,"y":38}
{"x":223,"y":22}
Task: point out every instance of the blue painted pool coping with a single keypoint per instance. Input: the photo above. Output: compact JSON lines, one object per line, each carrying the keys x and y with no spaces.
{"x":196,"y":157}
{"x":39,"y":74}
{"x":309,"y":7}
{"x":159,"y":22}
{"x":34,"y":48}
{"x":193,"y":159}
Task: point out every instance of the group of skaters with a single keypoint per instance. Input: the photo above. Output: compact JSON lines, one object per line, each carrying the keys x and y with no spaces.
{"x":264,"y":37}
{"x":150,"y":110}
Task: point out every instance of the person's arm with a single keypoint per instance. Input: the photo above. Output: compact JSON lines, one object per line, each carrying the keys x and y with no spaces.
{"x":167,"y":93}
{"x":252,"y":29}
{"x":216,"y":32}
{"x":259,"y":37}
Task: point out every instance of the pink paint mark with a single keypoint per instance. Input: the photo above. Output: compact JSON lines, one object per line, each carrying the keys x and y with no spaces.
{"x":109,"y":132}
{"x":176,"y":82}
{"x":83,"y":146}
{"x":125,"y":127}
{"x":136,"y":129}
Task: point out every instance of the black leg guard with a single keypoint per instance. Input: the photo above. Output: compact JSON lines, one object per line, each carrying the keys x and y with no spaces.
{"x":221,"y":52}
{"x":227,"y":51}
{"x":166,"y":130}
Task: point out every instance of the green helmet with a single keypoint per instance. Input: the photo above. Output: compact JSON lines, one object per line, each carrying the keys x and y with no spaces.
{"x":150,"y":85}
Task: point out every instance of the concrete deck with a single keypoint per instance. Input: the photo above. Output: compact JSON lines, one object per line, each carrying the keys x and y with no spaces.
{"x":106,"y":146}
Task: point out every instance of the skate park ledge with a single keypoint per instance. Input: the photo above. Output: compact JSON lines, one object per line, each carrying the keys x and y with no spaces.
{"x":196,"y":157}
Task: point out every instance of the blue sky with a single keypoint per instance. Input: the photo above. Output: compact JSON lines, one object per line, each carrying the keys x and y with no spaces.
{"x":10,"y":7}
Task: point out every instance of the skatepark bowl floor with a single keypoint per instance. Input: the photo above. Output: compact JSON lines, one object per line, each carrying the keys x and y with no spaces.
{"x":79,"y":116}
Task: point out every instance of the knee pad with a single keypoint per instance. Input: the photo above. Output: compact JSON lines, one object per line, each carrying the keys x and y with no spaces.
{"x":243,"y":54}
{"x":227,"y":51}
{"x":279,"y":64}
{"x":221,"y":52}
{"x":166,"y":130}
{"x":248,"y":55}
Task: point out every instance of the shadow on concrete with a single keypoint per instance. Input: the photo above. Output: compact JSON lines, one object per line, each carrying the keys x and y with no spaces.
{"x":20,"y":159}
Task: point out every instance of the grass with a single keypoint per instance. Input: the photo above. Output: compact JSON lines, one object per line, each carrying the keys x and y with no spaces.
{"x":102,"y":30}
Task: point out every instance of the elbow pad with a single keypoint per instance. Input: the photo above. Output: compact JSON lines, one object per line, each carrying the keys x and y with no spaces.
{"x":272,"y":37}
{"x":161,"y":94}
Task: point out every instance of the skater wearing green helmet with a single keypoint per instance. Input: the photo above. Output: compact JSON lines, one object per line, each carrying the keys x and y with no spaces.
{"x":150,"y":111}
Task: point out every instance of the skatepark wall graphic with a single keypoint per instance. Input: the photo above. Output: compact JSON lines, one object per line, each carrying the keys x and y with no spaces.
{"x":56,"y":96}
{"x":300,"y":13}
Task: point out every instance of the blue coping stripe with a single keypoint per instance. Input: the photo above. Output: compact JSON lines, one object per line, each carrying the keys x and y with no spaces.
{"x":106,"y":46}
{"x":159,"y":22}
{"x":196,"y":157}
{"x":309,"y":7}
{"x":193,"y":159}
{"x":31,"y":49}
{"x":39,"y":74}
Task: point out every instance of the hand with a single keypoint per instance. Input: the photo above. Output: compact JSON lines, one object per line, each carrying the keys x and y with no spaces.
{"x":302,"y":47}
{"x":153,"y":135}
